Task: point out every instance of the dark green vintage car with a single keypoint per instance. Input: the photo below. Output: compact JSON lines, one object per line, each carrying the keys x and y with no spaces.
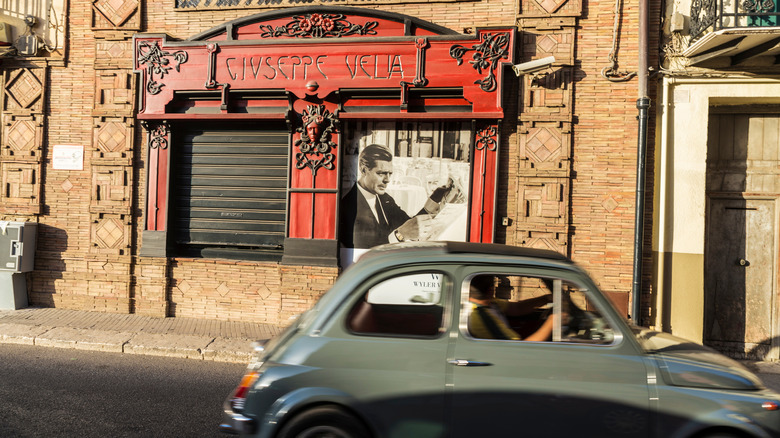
{"x":471,"y":340}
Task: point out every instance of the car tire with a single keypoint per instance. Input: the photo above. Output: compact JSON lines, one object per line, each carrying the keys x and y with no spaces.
{"x":324,"y":422}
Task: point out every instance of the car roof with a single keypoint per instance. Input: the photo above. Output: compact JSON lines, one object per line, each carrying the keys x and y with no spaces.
{"x":447,"y":247}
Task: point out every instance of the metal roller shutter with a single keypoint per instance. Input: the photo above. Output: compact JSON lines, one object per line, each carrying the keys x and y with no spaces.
{"x":229,"y":188}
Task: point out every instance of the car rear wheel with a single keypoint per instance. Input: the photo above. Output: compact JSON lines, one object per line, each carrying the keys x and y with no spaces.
{"x":324,"y":422}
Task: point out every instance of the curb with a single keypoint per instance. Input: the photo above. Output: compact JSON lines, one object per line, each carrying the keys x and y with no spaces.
{"x":218,"y":349}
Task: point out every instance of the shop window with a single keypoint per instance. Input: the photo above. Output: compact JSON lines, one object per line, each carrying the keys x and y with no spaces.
{"x":408,"y":305}
{"x":506,"y":307}
{"x":228,"y":191}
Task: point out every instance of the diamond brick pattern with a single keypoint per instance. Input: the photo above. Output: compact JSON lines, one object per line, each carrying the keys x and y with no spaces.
{"x":545,"y":147}
{"x":555,"y":241}
{"x":542,"y":8}
{"x":115,"y":14}
{"x":542,"y":145}
{"x":541,"y":43}
{"x":113,"y":53}
{"x":24,"y":89}
{"x":223,"y":289}
{"x":22,"y":136}
{"x":184,"y":287}
{"x":112,"y":139}
{"x":110,"y":233}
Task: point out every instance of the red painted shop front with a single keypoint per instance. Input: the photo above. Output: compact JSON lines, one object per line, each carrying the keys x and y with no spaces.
{"x":256,"y":128}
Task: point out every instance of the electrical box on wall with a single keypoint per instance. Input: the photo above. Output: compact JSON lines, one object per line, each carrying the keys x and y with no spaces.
{"x":17,"y":246}
{"x":27,"y":45}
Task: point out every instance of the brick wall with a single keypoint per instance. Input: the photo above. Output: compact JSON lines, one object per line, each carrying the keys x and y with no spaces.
{"x":567,"y":174}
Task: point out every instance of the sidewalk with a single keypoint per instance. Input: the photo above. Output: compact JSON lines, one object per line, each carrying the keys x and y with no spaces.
{"x":190,"y":338}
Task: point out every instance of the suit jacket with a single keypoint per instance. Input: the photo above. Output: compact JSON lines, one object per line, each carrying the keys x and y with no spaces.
{"x":360,"y":228}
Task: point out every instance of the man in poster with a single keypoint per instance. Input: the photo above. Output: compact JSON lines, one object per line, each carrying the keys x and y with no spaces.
{"x":371,"y":217}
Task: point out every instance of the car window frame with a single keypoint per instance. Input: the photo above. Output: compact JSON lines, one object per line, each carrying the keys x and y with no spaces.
{"x":347,"y":306}
{"x":552,"y":274}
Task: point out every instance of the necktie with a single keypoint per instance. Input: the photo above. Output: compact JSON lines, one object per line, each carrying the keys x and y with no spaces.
{"x":380,"y":213}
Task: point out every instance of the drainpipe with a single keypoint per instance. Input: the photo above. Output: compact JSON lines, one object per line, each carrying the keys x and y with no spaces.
{"x":643,"y":105}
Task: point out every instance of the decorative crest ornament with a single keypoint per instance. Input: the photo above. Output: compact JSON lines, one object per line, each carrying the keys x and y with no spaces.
{"x":158,"y":134}
{"x":318,"y":26}
{"x":492,"y":48}
{"x":315,"y":144}
{"x":157,"y":62}
{"x":486,"y":138}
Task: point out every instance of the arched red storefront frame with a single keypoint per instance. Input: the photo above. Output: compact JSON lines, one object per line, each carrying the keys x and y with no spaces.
{"x":406,"y":70}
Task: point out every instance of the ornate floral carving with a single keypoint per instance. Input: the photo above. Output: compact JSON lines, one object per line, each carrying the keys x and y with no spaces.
{"x":492,"y":48}
{"x":758,"y":7}
{"x":157,"y":62}
{"x":315,"y":144}
{"x":158,"y":134}
{"x":318,"y":26}
{"x":486,"y":138}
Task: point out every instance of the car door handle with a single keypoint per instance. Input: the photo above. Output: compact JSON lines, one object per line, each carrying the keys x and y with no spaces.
{"x":468,"y":363}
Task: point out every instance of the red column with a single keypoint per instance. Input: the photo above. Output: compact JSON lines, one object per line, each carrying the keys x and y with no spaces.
{"x":314,"y":175}
{"x":158,"y":134}
{"x":484,"y":177}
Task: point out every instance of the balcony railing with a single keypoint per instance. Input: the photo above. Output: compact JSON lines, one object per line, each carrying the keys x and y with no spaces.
{"x":713,"y":15}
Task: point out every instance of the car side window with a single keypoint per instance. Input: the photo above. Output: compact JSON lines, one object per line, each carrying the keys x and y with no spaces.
{"x":541,"y":309}
{"x":405,"y":305}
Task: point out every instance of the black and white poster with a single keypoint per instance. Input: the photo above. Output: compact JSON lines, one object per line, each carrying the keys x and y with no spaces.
{"x":403,"y":181}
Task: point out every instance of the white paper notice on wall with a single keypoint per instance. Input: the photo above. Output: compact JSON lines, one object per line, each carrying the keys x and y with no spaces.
{"x":68,"y":157}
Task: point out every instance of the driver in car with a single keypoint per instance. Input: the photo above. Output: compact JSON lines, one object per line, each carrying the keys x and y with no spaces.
{"x":488,"y":318}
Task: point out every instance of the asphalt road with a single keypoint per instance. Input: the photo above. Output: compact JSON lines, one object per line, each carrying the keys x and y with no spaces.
{"x":67,"y":393}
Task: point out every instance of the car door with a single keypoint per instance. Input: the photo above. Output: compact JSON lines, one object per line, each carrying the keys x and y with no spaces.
{"x":387,"y":350}
{"x":585,"y":381}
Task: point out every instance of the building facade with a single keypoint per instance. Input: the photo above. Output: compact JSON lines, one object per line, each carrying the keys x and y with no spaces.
{"x":715,"y":239}
{"x":197,"y":158}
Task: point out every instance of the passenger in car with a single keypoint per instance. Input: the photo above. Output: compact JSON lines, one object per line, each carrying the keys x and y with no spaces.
{"x":488,"y":318}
